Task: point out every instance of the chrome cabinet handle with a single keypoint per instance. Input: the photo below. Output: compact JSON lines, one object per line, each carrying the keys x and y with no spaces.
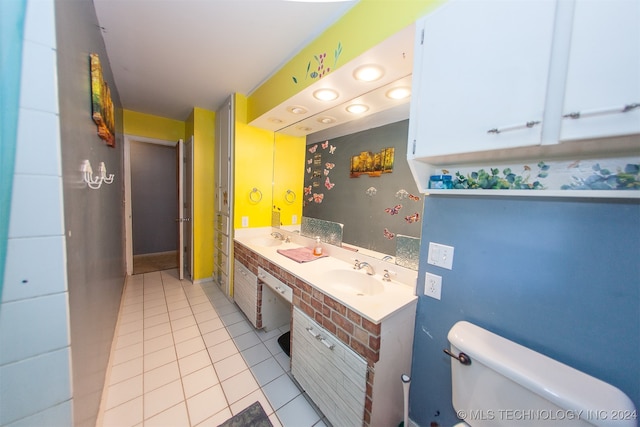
{"x":526,"y":125}
{"x":313,"y":333}
{"x":612,"y":110}
{"x":327,"y":343}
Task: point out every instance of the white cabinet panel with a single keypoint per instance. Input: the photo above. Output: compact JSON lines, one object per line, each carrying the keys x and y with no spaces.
{"x":245,"y":291}
{"x":482,"y":74}
{"x":603,"y":76}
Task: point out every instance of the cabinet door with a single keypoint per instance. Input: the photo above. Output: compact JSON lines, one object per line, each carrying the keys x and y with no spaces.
{"x":480,"y":76}
{"x":603,"y":75}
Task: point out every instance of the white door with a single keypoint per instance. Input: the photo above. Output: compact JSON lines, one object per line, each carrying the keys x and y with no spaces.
{"x":187,"y":229}
{"x":180,"y":208}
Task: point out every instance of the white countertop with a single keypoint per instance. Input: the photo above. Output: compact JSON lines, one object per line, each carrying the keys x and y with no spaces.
{"x":376,"y":308}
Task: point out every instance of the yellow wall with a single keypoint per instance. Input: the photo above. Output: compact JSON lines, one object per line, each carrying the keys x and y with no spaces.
{"x":201,"y":124}
{"x":253,"y":165}
{"x":365,"y":25}
{"x":288,"y":174}
{"x":149,"y":126}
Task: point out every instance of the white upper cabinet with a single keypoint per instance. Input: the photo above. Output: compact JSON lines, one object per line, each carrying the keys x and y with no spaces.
{"x":602,"y":96}
{"x":480,"y":77}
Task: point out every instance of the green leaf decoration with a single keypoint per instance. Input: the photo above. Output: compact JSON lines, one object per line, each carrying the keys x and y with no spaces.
{"x":295,"y":80}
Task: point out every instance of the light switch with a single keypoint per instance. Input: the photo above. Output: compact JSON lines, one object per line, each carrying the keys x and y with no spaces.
{"x":440,"y":255}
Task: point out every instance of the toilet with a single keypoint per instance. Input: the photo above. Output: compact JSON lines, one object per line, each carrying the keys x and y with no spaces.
{"x":496,"y":382}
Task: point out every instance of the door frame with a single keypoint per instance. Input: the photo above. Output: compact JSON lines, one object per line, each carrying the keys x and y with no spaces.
{"x":128,"y":220}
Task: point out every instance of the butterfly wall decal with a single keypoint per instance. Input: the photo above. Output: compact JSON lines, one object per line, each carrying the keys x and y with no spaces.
{"x":394,"y":210}
{"x":307,"y":190}
{"x":332,"y":149}
{"x":414,"y":198}
{"x":313,"y":149}
{"x":389,"y":235}
{"x":325,"y":145}
{"x":329,"y":165}
{"x":318,"y":197}
{"x":328,"y":184}
{"x":412,"y":218}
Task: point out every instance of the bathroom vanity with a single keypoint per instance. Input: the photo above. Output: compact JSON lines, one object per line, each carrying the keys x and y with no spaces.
{"x":351,"y":333}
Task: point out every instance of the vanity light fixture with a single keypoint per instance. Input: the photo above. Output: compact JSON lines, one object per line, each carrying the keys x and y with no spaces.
{"x":296,"y":109}
{"x":357,"y":108}
{"x":95,"y":182}
{"x":326,"y":120}
{"x":325,"y":94}
{"x":368,"y":73}
{"x":401,"y":92}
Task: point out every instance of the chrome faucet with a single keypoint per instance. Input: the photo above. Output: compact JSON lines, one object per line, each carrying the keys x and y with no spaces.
{"x":360,"y":265}
{"x":277,"y":235}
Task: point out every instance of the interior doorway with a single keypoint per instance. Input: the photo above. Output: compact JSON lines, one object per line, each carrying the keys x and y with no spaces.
{"x":158,"y":182}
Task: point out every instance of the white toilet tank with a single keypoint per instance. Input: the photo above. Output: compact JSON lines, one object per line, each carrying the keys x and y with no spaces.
{"x":507,"y":384}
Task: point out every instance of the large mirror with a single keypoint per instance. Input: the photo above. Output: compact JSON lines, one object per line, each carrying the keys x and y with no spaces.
{"x":355,"y":172}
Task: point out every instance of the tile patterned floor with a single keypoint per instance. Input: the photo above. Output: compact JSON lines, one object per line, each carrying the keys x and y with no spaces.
{"x":184,"y":355}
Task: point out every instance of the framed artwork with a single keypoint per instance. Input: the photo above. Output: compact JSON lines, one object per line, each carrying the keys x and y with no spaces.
{"x":372,"y":164}
{"x":102,"y":110}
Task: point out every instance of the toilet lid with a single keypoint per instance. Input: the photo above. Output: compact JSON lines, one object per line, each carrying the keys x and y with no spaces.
{"x":461,"y":424}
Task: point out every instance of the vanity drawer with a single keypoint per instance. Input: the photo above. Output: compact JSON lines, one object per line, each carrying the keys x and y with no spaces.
{"x":275,"y":284}
{"x":332,"y":374}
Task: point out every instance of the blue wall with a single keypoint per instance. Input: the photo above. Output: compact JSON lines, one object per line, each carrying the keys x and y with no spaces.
{"x":559,"y":276}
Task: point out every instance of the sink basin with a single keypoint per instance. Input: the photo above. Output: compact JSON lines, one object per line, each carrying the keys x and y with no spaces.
{"x":354,"y":282}
{"x":266,"y":241}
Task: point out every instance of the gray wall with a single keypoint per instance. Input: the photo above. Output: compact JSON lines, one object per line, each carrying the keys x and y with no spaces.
{"x":364,"y":216}
{"x":93,"y":218}
{"x":153,"y":198}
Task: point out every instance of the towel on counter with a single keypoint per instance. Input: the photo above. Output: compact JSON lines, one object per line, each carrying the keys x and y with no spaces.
{"x":300,"y":254}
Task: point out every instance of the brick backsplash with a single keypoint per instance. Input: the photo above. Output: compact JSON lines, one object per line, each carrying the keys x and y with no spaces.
{"x":359,"y":333}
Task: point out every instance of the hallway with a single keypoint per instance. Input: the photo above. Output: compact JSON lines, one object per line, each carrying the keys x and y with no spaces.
{"x":184,"y":355}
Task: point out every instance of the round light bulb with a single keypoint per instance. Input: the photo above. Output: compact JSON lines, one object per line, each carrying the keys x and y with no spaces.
{"x":399,"y":93}
{"x":368,"y":73}
{"x":325,"y":94}
{"x":357,"y":108}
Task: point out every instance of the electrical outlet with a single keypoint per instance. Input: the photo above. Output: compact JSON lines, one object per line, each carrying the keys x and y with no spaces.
{"x":440,"y":255}
{"x":245,"y":221}
{"x":433,"y":285}
{"x":294,"y":219}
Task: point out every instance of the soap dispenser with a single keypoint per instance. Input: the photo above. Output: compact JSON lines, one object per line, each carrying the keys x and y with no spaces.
{"x":317,"y":249}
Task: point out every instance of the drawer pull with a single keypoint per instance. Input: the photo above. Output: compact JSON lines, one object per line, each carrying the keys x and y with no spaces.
{"x":313,"y":333}
{"x":613,"y":110}
{"x":527,"y":125}
{"x":327,"y":343}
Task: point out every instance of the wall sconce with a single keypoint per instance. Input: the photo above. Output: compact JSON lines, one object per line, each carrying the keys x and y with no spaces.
{"x":95,"y":182}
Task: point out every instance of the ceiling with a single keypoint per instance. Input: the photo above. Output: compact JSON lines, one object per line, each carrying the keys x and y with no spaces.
{"x":168,"y":56}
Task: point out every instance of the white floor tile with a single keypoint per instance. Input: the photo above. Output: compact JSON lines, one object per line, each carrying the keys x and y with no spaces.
{"x":158,"y":343}
{"x":156,"y":320}
{"x":216,"y":337}
{"x":129,"y":339}
{"x":206,"y":404}
{"x":163,"y":398}
{"x":157,"y":330}
{"x":183,"y":322}
{"x":159,"y":358}
{"x":230,"y":319}
{"x":189,"y":347}
{"x":222,"y":350}
{"x":298,"y":413}
{"x":267,"y":371}
{"x":175,"y":416}
{"x":217,"y":419}
{"x":240,"y":328}
{"x":247,"y":340}
{"x":160,"y":376}
{"x":239,"y":386}
{"x":232,"y":365}
{"x":186,"y":333}
{"x":255,"y":354}
{"x":194,"y":362}
{"x":280,"y":391}
{"x":210,"y":325}
{"x":125,"y":354}
{"x":199,"y":381}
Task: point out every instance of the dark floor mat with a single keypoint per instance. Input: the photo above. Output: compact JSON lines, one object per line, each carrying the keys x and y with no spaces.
{"x":253,"y":416}
{"x":285,"y":343}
